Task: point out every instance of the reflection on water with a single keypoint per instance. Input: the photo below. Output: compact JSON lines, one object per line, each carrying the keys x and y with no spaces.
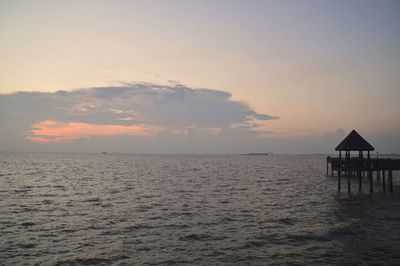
{"x":77,"y":209}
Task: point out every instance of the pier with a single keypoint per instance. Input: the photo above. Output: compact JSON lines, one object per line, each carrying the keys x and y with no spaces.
{"x":361,"y":166}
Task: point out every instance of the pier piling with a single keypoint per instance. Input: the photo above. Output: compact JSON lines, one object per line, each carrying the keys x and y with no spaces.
{"x":348,"y":183}
{"x":371,"y":185}
{"x":383,"y":180}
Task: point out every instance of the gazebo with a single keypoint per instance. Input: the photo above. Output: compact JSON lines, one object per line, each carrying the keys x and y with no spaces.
{"x":354,"y":142}
{"x":352,"y":166}
{"x":359,"y":166}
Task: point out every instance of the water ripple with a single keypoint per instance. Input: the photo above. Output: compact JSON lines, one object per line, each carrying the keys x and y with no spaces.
{"x":88,"y":209}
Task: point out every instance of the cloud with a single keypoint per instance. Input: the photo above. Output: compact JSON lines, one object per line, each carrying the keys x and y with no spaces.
{"x":52,"y":131}
{"x":140,"y":109}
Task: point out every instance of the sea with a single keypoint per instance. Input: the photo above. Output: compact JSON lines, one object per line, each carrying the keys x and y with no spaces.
{"x":122,"y":209}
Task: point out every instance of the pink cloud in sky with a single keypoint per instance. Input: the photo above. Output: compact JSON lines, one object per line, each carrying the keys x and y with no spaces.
{"x":51,"y":131}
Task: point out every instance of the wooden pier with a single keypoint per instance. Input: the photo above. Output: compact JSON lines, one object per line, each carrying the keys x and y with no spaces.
{"x":360,"y":167}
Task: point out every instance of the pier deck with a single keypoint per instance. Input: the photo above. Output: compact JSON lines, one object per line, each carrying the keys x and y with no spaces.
{"x":361,"y":167}
{"x":357,"y":164}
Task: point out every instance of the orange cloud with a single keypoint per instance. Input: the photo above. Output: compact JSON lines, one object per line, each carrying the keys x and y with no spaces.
{"x":50,"y":131}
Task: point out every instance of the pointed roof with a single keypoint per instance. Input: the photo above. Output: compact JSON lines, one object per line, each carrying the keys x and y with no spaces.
{"x":354,"y":142}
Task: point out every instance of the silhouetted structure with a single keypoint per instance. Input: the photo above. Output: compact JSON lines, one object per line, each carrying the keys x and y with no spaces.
{"x":360,"y":166}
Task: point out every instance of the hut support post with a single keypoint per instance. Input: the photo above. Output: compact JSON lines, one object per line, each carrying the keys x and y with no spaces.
{"x":339,"y":181}
{"x":391,"y":180}
{"x":359,"y":174}
{"x":348,"y":172}
{"x":371,"y":185}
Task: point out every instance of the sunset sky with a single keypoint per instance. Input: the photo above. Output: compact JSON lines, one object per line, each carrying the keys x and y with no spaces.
{"x":198,"y":76}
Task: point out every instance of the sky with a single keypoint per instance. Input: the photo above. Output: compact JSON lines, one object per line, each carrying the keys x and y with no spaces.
{"x":198,"y":76}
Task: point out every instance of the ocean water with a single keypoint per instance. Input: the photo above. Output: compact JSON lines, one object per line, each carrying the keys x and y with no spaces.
{"x":115,"y":209}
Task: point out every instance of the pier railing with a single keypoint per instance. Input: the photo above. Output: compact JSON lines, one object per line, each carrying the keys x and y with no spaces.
{"x":363,"y":164}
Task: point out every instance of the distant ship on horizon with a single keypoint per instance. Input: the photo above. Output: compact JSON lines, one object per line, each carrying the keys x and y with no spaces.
{"x":258,"y":153}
